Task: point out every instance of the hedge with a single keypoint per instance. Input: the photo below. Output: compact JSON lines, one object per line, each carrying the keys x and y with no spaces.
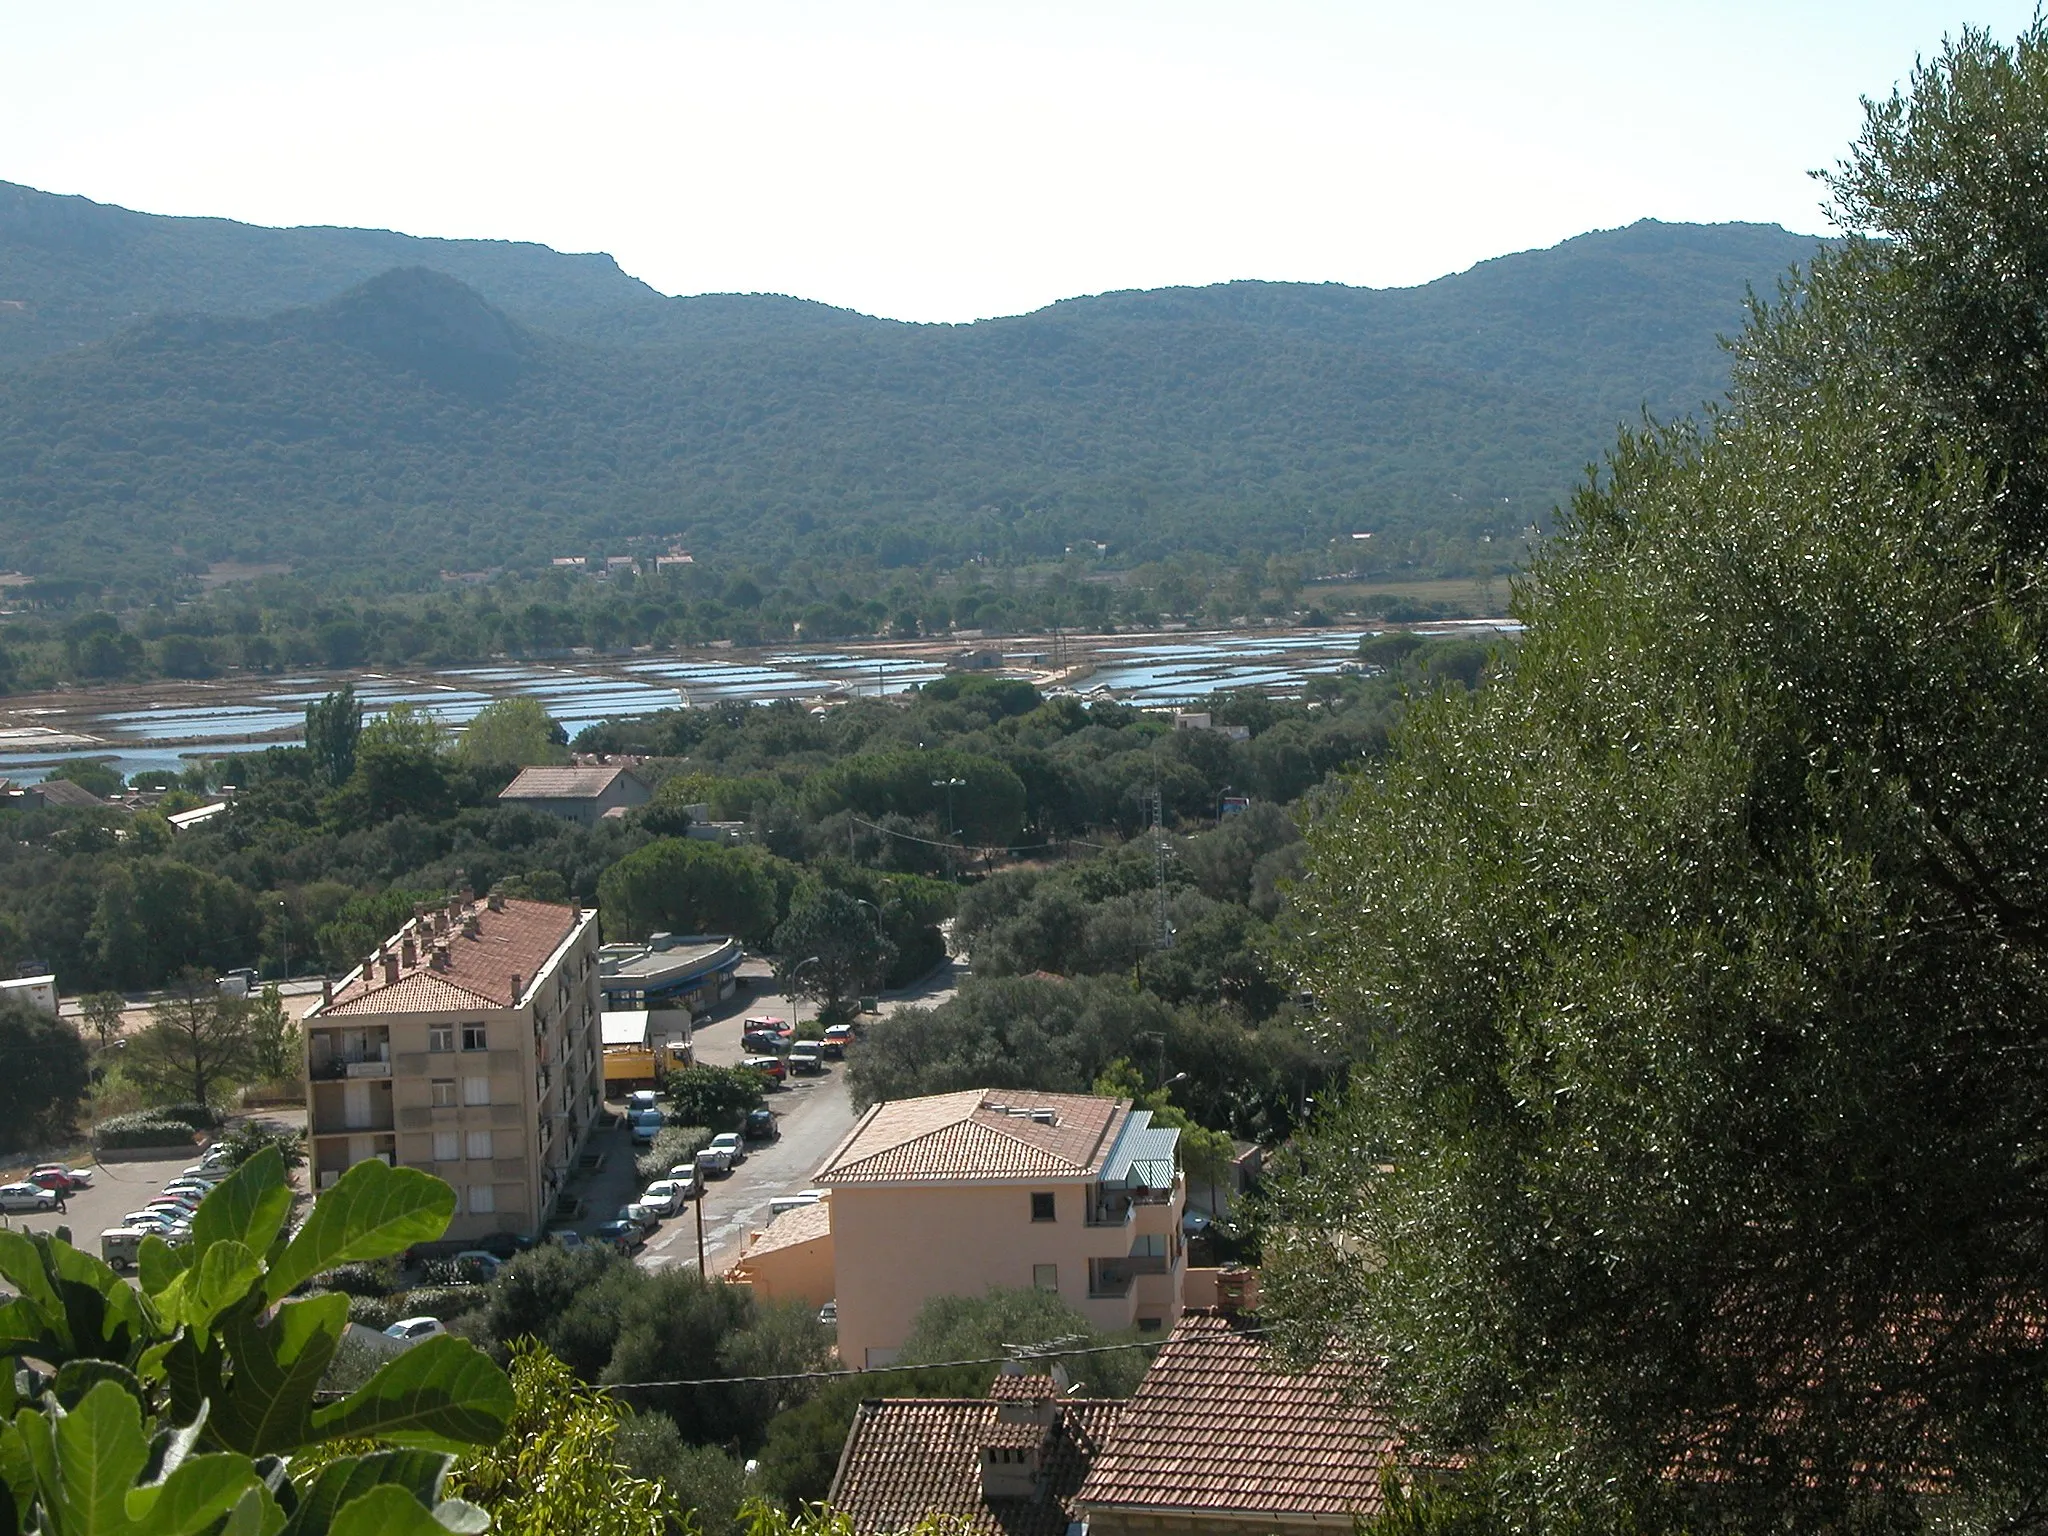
{"x":672,"y":1144}
{"x":146,"y":1128}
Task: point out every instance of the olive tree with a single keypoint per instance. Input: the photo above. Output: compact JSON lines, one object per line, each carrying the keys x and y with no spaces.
{"x":1695,"y":1168}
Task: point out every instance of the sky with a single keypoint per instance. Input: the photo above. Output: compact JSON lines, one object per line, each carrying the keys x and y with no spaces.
{"x":960,"y":160}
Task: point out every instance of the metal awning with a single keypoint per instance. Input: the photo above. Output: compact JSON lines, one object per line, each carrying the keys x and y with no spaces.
{"x":1143,"y":1156}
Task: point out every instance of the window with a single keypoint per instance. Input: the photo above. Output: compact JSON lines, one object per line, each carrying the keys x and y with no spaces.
{"x":447,"y":1146}
{"x":479,"y":1144}
{"x":439,"y":1040}
{"x":475,"y":1037}
{"x":476,"y":1090}
{"x":1042,"y":1208}
{"x":483,"y":1199}
{"x":444,"y":1092}
{"x":1045,"y":1277}
{"x":1150,"y":1324}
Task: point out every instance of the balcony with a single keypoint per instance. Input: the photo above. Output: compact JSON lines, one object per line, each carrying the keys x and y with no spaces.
{"x":1109,"y":1279}
{"x":335,"y":1054}
{"x":336,"y":1068}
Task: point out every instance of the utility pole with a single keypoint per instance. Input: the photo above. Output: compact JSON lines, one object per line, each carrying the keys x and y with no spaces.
{"x":949,"y":785}
{"x":1162,"y":925}
{"x":700,"y":1232}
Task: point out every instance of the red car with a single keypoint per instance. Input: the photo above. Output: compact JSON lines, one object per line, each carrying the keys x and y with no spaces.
{"x":770,"y":1067}
{"x":64,"y":1180}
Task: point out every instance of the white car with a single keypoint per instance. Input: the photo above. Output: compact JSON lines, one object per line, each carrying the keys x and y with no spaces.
{"x":27,"y":1197}
{"x":156,"y":1220}
{"x":665,"y":1195}
{"x":410,"y":1330}
{"x":193,"y":1187}
{"x":690,"y":1177}
{"x":732,"y":1146}
{"x":714,"y":1160}
{"x":206,"y":1173}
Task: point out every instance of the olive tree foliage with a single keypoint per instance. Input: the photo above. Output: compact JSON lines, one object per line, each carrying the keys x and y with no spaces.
{"x":1696,"y":1167}
{"x":186,"y":1405}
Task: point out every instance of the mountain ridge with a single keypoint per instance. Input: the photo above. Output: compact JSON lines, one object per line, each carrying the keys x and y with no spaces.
{"x":415,"y":409}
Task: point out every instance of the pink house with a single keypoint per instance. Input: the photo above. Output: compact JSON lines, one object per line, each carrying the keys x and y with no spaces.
{"x":958,"y":1193}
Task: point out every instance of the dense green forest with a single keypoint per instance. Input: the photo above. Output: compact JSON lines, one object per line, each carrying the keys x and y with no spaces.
{"x":491,"y":406}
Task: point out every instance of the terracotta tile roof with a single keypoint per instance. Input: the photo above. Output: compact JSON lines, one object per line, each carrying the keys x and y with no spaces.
{"x":1214,"y":1428}
{"x":561,"y":783}
{"x":909,"y":1457}
{"x":976,"y":1135}
{"x":1022,"y":1389}
{"x":805,"y":1224}
{"x":516,"y":941}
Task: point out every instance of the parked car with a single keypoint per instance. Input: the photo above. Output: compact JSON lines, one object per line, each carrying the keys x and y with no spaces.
{"x":566,"y":1239}
{"x":625,"y":1236}
{"x":770,"y":1067}
{"x":761,"y":1125}
{"x":77,"y":1178}
{"x":642,"y":1214}
{"x":828,"y":1314}
{"x":242,"y":981}
{"x":665,"y":1195}
{"x":198,"y":1189}
{"x":180,"y":1199}
{"x":412,"y":1329}
{"x":157,"y":1217}
{"x":761,"y":1040}
{"x":27,"y":1197}
{"x":769,"y":1021}
{"x":837,"y":1038}
{"x":212,"y":1172}
{"x":121,"y":1247}
{"x":647,"y":1124}
{"x":1194,"y":1223}
{"x":731,"y":1145}
{"x":713,"y":1160}
{"x":807,"y":1059}
{"x":642,"y":1098}
{"x":691,"y":1177}
{"x":473,"y":1266}
{"x":504,"y":1245}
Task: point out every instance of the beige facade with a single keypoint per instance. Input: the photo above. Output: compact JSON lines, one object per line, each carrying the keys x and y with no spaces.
{"x":953,"y":1195}
{"x":467,"y":1046}
{"x":790,"y":1259}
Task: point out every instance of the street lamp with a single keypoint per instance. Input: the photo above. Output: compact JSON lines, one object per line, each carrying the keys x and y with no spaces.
{"x":949,"y":785}
{"x":284,"y":929}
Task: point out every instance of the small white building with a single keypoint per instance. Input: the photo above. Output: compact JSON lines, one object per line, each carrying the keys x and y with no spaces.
{"x":37,"y":991}
{"x":584,"y":795}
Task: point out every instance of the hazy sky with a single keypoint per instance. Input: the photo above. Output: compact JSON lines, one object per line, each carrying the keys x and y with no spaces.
{"x":949,"y":161}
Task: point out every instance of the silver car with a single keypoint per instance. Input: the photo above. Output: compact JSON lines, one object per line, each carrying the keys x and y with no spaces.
{"x":27,"y":1197}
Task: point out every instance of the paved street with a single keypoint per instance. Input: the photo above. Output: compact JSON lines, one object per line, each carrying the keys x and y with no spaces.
{"x":812,"y":1113}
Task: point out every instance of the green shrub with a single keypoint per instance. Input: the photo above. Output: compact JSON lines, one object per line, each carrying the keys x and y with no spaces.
{"x":369,"y":1279}
{"x":672,"y":1144}
{"x":144,"y":1128}
{"x":442,"y":1301}
{"x":375,"y":1312}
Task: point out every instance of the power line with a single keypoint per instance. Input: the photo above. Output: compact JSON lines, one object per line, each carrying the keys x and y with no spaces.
{"x":1037,"y":1353}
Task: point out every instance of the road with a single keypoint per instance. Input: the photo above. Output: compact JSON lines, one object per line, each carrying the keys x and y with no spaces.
{"x":813,"y":1114}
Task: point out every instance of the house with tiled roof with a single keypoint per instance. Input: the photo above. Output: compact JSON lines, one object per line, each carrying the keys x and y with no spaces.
{"x":958,"y":1193}
{"x":584,"y":794}
{"x":1219,"y":1440}
{"x":469,"y":1045}
{"x":1008,"y":1464}
{"x":790,"y":1259}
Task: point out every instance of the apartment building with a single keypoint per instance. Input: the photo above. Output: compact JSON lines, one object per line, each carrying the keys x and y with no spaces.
{"x":469,"y":1046}
{"x":953,"y":1194}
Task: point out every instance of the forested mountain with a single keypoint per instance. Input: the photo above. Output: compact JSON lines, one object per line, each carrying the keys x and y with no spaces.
{"x":353,"y":395}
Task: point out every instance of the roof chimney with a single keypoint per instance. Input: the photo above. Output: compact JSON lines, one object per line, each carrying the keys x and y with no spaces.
{"x":390,"y":969}
{"x":1237,"y":1290}
{"x":326,"y":991}
{"x":471,"y":928}
{"x":495,"y":902}
{"x":515,"y":989}
{"x":408,"y":953}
